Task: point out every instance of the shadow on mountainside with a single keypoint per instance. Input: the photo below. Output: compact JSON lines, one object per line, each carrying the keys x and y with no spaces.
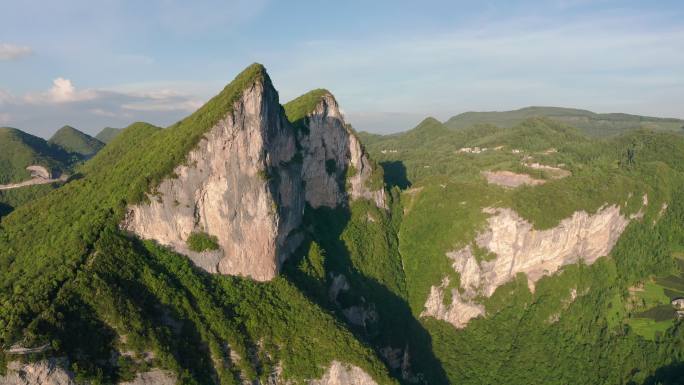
{"x":5,"y":209}
{"x":395,"y":174}
{"x":394,"y":326}
{"x":151,"y":293}
{"x":672,"y":374}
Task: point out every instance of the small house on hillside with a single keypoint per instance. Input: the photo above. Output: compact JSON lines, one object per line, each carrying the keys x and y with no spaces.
{"x":678,"y":303}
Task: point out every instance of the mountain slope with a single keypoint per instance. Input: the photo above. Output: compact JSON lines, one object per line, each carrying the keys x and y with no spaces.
{"x":495,"y":271}
{"x":349,"y":261}
{"x":22,"y":155}
{"x":96,"y":292}
{"x":591,"y":123}
{"x":107,"y":134}
{"x":73,"y":140}
{"x":19,"y":150}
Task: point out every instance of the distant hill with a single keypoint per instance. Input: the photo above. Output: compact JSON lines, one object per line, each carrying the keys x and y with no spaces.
{"x":19,"y":150}
{"x":107,"y":134}
{"x":73,"y":140}
{"x":591,"y":123}
{"x":426,"y":131}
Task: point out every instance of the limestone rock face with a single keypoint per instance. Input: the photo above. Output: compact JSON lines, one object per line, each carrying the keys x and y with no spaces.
{"x":344,"y":374}
{"x":331,"y":151}
{"x":50,"y":372}
{"x":247,"y":181}
{"x":46,"y":372}
{"x":240,"y":185}
{"x":519,"y":248}
{"x":38,"y":171}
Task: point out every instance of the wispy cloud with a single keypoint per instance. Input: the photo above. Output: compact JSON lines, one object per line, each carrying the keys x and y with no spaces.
{"x":91,"y":109}
{"x":164,"y":105}
{"x":13,"y":52}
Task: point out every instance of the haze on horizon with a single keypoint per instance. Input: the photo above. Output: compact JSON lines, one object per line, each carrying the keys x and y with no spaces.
{"x":390,"y":64}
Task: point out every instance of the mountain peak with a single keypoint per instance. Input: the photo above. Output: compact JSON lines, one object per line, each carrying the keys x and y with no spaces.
{"x":107,"y":134}
{"x":429,"y":121}
{"x":221,"y":104}
{"x":303,"y":105}
{"x":19,"y":150}
{"x":76,"y":141}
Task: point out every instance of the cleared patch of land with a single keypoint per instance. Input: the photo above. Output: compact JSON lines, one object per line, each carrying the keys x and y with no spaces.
{"x":510,"y":179}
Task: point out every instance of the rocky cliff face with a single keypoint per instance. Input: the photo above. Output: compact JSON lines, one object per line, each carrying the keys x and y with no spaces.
{"x":50,"y":372}
{"x":247,"y":180}
{"x":240,"y":185}
{"x":335,"y":165}
{"x":39,"y":373}
{"x":519,"y":248}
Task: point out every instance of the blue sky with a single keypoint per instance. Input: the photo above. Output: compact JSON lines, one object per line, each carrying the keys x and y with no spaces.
{"x":389,"y":63}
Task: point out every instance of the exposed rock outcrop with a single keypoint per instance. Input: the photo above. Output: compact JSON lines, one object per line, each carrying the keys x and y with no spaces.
{"x":240,"y":185}
{"x":519,"y":248}
{"x":333,"y":153}
{"x":247,"y":181}
{"x":553,"y":172}
{"x":51,"y":372}
{"x":39,"y":175}
{"x":47,"y":372}
{"x":344,"y":374}
{"x":38,"y":171}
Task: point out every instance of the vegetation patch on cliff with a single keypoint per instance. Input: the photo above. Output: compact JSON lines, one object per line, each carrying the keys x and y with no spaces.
{"x":298,"y":109}
{"x":200,"y":241}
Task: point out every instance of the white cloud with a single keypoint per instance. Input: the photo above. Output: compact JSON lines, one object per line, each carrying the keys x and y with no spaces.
{"x":62,"y":91}
{"x":13,"y":52}
{"x":91,"y":109}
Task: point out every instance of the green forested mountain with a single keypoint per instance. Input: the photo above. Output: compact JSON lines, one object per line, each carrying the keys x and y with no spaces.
{"x":480,"y":255}
{"x":93,"y":290}
{"x":107,"y":134}
{"x":73,"y":140}
{"x":19,"y":150}
{"x":626,"y":310}
{"x":590,"y":123}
